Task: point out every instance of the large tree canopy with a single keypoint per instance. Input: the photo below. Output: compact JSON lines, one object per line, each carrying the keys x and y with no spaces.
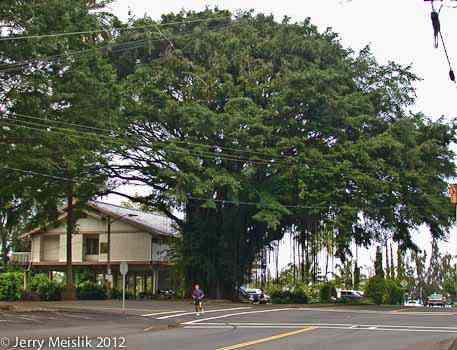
{"x":242,"y":127}
{"x":252,"y":127}
{"x":58,"y":96}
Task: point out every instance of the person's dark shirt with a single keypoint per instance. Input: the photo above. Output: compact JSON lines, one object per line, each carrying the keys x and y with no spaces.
{"x":197,"y":294}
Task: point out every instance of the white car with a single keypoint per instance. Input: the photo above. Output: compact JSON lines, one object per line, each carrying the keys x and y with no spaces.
{"x":254,"y":295}
{"x":413,"y":303}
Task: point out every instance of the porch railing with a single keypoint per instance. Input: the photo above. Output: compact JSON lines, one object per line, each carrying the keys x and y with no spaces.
{"x":21,"y":258}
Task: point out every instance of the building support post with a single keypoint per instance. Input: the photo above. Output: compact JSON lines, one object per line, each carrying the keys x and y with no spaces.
{"x":134,"y":284}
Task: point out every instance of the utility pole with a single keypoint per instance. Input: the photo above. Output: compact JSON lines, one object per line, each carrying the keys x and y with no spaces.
{"x":452,"y":189}
{"x":108,"y":264}
{"x":70,"y":290}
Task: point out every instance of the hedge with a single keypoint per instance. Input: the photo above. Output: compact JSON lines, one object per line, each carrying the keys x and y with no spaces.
{"x":11,"y":286}
{"x":89,"y":290}
{"x":46,"y":288}
{"x":296,"y":296}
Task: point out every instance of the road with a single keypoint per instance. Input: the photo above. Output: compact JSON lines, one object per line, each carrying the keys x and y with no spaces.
{"x":225,"y":326}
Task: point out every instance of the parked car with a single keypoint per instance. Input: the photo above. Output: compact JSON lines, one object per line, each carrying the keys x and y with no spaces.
{"x":413,"y":303}
{"x":166,"y":294}
{"x":253,"y":295}
{"x":348,"y":294}
{"x":436,"y":300}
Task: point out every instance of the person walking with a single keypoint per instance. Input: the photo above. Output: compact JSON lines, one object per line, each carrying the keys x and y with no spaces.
{"x":197,"y":297}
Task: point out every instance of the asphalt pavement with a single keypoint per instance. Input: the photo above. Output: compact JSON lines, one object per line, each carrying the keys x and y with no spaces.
{"x":225,"y":326}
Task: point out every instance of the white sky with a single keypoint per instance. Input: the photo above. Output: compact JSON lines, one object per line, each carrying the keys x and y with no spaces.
{"x":398,"y":30}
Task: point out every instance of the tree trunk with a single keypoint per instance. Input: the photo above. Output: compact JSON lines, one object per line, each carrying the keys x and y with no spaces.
{"x":4,"y":242}
{"x":70,"y":289}
{"x":387,"y":261}
{"x":392,"y":264}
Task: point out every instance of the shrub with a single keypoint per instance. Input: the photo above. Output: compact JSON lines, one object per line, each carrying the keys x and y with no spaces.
{"x":11,"y":286}
{"x":375,"y":289}
{"x":89,"y":290}
{"x":278,"y":296}
{"x":312,"y":293}
{"x":326,"y":292}
{"x":46,"y":288}
{"x":83,"y":275}
{"x":117,"y":294}
{"x":355,"y":301}
{"x":385,"y":291}
{"x":393,"y":294}
{"x":297,"y":296}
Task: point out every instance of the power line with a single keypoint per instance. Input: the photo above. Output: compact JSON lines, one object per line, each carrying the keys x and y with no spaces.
{"x":223,"y":201}
{"x":179,"y":150}
{"x":84,"y":126}
{"x":438,"y":33}
{"x":281,"y":157}
{"x":114,"y":48}
{"x":30,"y":172}
{"x":73,"y":54}
{"x":62,"y":34}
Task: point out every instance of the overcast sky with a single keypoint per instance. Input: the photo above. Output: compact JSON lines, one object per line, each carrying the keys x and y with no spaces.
{"x":397,"y":30}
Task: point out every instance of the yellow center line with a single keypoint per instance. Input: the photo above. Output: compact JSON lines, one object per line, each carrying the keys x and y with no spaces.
{"x":264,"y":340}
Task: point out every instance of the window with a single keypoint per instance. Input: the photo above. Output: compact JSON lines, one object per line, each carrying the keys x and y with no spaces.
{"x":104,"y":248}
{"x":91,"y":245}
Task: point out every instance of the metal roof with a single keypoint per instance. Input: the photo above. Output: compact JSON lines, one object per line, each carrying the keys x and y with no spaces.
{"x":152,"y":222}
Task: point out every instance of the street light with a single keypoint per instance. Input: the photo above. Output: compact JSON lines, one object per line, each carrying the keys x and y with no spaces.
{"x":108,"y":265}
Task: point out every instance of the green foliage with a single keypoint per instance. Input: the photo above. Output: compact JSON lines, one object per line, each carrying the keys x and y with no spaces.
{"x":351,"y":150}
{"x":355,"y":301}
{"x":378,"y":267}
{"x":394,"y":293}
{"x":326,"y":292}
{"x":89,"y":290}
{"x":83,"y":275}
{"x":295,"y":296}
{"x":375,"y":289}
{"x":59,"y":102}
{"x":218,"y":129}
{"x":46,"y":288}
{"x":11,"y":286}
{"x":384,"y":291}
{"x":117,"y":294}
{"x":450,"y":286}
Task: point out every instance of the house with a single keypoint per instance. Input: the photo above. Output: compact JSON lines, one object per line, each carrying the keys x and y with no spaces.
{"x":105,"y":236}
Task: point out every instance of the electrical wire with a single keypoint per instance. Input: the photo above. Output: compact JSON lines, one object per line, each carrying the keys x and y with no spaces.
{"x":438,"y":34}
{"x":63,"y":34}
{"x":114,"y":48}
{"x":109,"y":131}
{"x":118,"y":141}
{"x":223,"y":201}
{"x":30,"y":172}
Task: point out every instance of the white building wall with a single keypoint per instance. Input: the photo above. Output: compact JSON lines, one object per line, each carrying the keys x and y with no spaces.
{"x":63,"y":248}
{"x":36,"y":248}
{"x":127,"y":242}
{"x":130,"y":246}
{"x":77,"y":248}
{"x":50,"y":248}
